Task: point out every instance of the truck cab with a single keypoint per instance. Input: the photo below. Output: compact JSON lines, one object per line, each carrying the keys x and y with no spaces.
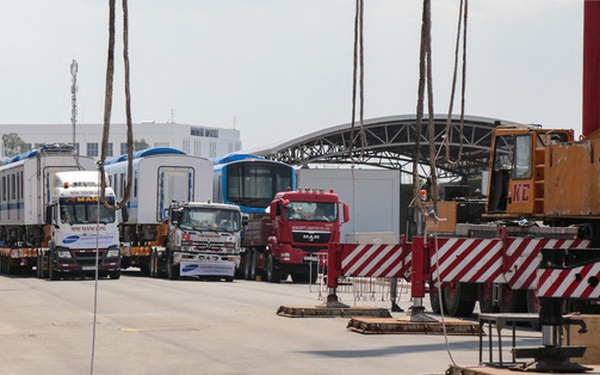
{"x":83,"y":232}
{"x":304,"y":222}
{"x":204,"y":239}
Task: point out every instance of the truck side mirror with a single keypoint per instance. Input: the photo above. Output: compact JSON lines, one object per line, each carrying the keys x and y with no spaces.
{"x":125,"y":214}
{"x":244,"y":220}
{"x":346,"y":213}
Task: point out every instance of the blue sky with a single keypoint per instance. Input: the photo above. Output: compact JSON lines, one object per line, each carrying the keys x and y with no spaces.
{"x":279,"y":69}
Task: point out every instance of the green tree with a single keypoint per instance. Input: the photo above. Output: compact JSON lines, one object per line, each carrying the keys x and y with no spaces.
{"x":13,"y":144}
{"x":140,"y":145}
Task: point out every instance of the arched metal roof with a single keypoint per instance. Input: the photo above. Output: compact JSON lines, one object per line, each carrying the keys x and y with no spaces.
{"x":390,"y":143}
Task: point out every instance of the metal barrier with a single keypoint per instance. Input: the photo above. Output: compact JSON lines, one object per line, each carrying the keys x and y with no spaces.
{"x":367,"y":272}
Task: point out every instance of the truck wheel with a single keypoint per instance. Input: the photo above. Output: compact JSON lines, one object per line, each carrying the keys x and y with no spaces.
{"x":533,"y":307}
{"x":39,"y":272}
{"x":459,"y":299}
{"x":172,"y":271}
{"x":115,"y":275}
{"x":511,"y":300}
{"x":485,"y":295}
{"x":248,"y":265}
{"x":435,"y":300}
{"x":153,"y":264}
{"x":253,"y":263}
{"x":273,"y":269}
{"x":52,"y":273}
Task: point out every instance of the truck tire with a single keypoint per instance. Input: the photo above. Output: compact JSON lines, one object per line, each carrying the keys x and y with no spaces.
{"x":253,"y":263}
{"x":248,"y":264}
{"x":172,"y":270}
{"x":511,"y":300}
{"x":273,"y":269}
{"x":485,"y":295}
{"x":52,"y":273}
{"x":459,"y":299}
{"x":39,"y":270}
{"x":533,"y":306}
{"x":435,"y":300}
{"x":154,"y":270}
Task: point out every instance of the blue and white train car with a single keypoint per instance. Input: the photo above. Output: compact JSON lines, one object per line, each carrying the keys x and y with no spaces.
{"x":250,"y":181}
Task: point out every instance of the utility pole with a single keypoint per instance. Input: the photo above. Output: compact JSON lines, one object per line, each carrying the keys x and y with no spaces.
{"x":74,"y":66}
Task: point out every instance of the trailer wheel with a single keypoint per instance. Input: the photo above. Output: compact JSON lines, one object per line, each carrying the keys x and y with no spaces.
{"x":485,"y":295}
{"x":273,"y":269}
{"x":459,"y":299}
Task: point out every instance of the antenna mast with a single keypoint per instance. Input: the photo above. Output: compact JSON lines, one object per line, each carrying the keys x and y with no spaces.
{"x":74,"y":67}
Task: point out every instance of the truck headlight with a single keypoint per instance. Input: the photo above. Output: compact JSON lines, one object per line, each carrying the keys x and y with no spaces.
{"x":63,"y":254}
{"x":114,"y":253}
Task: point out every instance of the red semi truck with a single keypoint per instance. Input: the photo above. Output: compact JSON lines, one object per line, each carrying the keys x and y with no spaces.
{"x":298,"y":226}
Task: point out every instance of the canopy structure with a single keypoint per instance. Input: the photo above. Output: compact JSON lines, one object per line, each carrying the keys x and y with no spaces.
{"x":389,"y":142}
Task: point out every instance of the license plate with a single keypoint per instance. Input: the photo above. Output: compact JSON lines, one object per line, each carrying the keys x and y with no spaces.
{"x":88,"y":268}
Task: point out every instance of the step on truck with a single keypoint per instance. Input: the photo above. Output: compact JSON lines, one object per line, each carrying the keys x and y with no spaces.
{"x":203,"y":241}
{"x":28,"y":193}
{"x":294,"y":235}
{"x":161,"y":175}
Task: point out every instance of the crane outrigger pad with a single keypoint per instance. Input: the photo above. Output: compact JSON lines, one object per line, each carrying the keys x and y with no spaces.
{"x":324,"y":311}
{"x":455,"y":327}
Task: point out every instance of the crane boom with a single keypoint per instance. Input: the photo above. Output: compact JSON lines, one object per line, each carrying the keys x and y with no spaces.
{"x":591,"y":64}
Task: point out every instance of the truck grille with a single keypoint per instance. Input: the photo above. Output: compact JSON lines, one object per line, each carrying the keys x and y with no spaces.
{"x":206,"y":245}
{"x":311,"y":237}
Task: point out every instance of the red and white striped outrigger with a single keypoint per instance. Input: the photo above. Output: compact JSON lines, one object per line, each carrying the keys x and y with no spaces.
{"x":504,"y":260}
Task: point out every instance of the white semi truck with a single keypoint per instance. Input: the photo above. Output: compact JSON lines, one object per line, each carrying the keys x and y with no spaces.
{"x":35,"y":187}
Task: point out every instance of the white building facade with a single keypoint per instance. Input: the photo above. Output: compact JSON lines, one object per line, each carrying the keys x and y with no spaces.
{"x":197,"y":140}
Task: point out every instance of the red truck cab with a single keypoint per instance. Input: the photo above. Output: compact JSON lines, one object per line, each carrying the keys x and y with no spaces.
{"x":304,"y":222}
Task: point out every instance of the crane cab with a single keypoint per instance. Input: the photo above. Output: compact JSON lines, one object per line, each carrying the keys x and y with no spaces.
{"x":517,"y":170}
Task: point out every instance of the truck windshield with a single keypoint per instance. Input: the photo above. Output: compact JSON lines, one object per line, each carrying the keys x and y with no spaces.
{"x":211,"y":219}
{"x":311,"y":211}
{"x":255,"y":184}
{"x":84,"y":210}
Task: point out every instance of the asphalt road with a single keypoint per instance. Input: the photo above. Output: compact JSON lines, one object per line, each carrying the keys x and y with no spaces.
{"x":156,"y":326}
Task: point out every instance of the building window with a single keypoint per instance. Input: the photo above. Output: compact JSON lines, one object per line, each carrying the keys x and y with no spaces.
{"x":202,"y":132}
{"x":212,"y":133}
{"x":186,"y":146}
{"x":77,"y":147}
{"x":92,"y":149}
{"x":197,"y":148}
{"x":123,"y":148}
{"x":109,"y":152}
{"x":213,"y":149}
